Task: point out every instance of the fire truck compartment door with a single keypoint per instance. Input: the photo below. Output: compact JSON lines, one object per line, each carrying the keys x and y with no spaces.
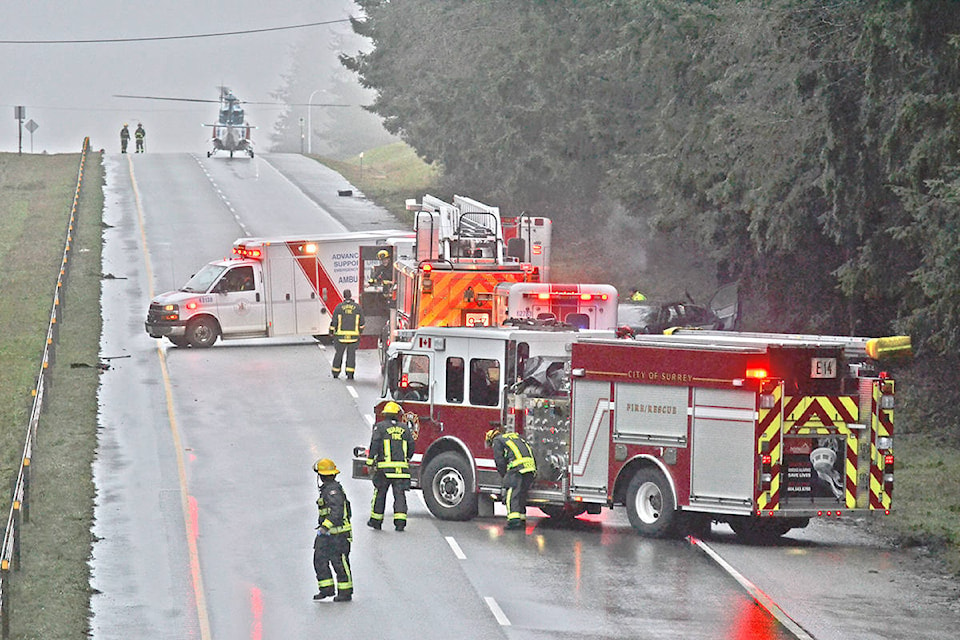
{"x":590,"y":437}
{"x":651,"y":414}
{"x":723,"y":447}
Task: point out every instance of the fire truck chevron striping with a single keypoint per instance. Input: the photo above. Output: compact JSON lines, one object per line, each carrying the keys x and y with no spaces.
{"x":762,"y":431}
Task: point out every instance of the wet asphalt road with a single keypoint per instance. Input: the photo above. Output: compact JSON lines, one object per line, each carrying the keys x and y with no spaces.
{"x":206,"y":497}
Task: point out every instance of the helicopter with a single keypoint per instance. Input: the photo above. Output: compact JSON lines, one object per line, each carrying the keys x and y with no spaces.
{"x":231,"y":132}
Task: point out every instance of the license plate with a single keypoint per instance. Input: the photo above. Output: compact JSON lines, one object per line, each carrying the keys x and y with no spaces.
{"x":823,"y":367}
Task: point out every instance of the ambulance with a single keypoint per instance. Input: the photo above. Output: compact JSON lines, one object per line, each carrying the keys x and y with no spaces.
{"x":277,"y":287}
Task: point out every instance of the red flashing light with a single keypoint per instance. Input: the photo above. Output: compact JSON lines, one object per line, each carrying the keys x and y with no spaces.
{"x":604,"y":296}
{"x":543,"y":296}
{"x":244,"y":252}
{"x":758,"y":373}
{"x":191,"y":305}
{"x":537,"y":249}
{"x":767,"y":459}
{"x":819,"y":513}
{"x":586,"y":296}
{"x":888,"y":459}
{"x":427,"y":268}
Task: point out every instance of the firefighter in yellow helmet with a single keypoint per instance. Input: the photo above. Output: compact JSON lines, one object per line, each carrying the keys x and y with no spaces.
{"x":140,"y":134}
{"x":382,"y":274}
{"x":517,"y":467}
{"x":331,"y":546}
{"x":391,"y":447}
{"x":346,"y":324}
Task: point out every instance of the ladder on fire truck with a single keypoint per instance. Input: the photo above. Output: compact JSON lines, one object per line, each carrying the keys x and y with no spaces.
{"x":465,"y":231}
{"x":854,"y":348}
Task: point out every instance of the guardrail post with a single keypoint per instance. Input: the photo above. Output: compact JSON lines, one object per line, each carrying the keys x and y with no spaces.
{"x":5,"y":599}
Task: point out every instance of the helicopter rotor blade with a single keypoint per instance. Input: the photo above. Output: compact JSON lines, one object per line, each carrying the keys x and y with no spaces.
{"x":117,"y":95}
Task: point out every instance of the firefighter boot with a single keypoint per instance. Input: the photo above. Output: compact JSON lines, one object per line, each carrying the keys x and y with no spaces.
{"x":324,"y":593}
{"x":343,"y":597}
{"x":374,"y":524}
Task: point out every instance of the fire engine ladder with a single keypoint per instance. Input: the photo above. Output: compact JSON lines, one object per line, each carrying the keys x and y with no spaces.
{"x":854,"y":348}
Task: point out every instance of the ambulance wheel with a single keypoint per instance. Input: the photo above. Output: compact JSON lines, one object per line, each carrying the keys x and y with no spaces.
{"x":448,"y":489}
{"x":563,"y":511}
{"x":651,"y":506}
{"x":179,"y":341}
{"x":202,"y":333}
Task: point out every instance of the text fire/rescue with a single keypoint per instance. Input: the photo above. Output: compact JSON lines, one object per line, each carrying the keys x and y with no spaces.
{"x":650,"y":408}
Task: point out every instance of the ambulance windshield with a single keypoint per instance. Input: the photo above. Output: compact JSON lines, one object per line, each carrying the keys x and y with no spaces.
{"x":201,"y":280}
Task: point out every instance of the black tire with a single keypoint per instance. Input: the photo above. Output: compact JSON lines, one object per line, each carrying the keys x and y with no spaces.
{"x":202,"y":332}
{"x":179,"y":341}
{"x":562,"y":511}
{"x":448,"y":487}
{"x":651,"y":506}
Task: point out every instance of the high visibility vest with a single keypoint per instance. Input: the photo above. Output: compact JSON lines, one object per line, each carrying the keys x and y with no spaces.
{"x":393,"y":452}
{"x":347,"y":321}
{"x":522,"y":456}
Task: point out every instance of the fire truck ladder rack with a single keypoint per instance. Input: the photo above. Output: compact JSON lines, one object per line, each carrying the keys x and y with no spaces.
{"x":854,"y":348}
{"x":464,"y":230}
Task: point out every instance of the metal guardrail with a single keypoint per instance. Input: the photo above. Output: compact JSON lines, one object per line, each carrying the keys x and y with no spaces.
{"x":20,"y":504}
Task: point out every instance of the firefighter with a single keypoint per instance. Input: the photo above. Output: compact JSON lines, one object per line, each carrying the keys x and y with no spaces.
{"x":637,"y":296}
{"x":124,"y":137}
{"x":382,"y":273}
{"x":140,"y":134}
{"x":515,"y":463}
{"x":346,"y":324}
{"x":391,"y":447}
{"x":331,"y":547}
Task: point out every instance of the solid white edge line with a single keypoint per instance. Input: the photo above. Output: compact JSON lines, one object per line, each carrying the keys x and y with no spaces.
{"x":755,"y":592}
{"x":457,"y":551}
{"x":497,"y":611}
{"x":369,"y":418}
{"x":352,"y":391}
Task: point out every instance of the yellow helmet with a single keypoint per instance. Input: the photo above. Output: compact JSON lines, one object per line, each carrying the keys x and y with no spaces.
{"x":493,"y":433}
{"x":383,"y":253}
{"x":391,"y":408}
{"x":325,"y":467}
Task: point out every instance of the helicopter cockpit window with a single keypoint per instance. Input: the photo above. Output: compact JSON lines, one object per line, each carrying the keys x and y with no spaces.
{"x":484,"y":382}
{"x":414,"y":381}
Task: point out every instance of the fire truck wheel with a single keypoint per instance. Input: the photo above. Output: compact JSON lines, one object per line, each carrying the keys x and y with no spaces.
{"x":202,"y":332}
{"x":448,"y":487}
{"x":650,"y":503}
{"x":564,"y":511}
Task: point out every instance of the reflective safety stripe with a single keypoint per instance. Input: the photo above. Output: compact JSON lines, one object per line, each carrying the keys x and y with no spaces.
{"x":394,"y":469}
{"x":527,"y":462}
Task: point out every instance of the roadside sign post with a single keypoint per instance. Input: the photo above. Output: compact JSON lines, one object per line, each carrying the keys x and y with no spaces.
{"x":19,"y":113}
{"x":31,"y":127}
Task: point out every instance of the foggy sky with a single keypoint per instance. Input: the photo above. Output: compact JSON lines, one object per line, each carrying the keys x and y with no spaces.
{"x":68,"y":88}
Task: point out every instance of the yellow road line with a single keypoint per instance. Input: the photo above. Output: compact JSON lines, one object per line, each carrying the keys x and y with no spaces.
{"x":196,"y":575}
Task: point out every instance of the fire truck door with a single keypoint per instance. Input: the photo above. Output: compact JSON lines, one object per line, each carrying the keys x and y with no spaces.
{"x":723,"y":442}
{"x":240,"y":306}
{"x":590,"y":437}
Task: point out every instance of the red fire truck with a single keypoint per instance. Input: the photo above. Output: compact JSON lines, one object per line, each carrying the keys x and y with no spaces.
{"x":463,"y":250}
{"x":762,"y":431}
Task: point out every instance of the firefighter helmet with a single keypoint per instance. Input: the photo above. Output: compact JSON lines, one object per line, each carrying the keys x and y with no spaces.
{"x":383,"y":253}
{"x":325,"y":467}
{"x":493,"y":433}
{"x":391,"y":408}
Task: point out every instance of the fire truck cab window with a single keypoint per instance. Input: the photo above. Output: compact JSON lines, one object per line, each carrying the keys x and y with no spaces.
{"x":484,"y":382}
{"x":455,"y":380}
{"x":414,"y":378}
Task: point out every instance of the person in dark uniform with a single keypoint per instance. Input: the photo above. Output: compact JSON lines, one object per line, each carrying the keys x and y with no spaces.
{"x":346,"y":323}
{"x":515,"y":463}
{"x":140,"y":134}
{"x":331,"y":547}
{"x":382,"y":273}
{"x":391,"y":447}
{"x":124,"y":137}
